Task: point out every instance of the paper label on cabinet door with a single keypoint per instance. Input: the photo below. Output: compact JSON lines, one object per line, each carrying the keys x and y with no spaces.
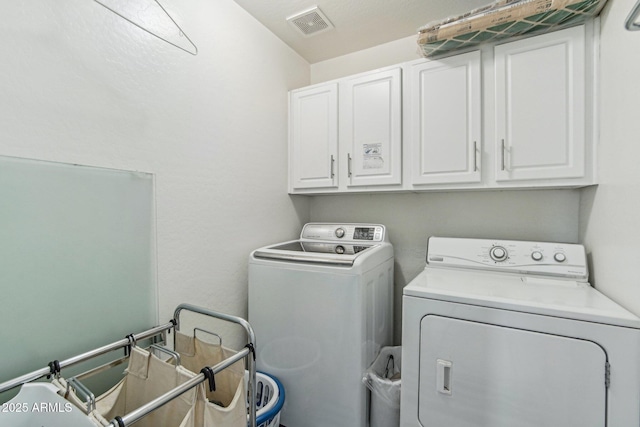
{"x":372,"y":156}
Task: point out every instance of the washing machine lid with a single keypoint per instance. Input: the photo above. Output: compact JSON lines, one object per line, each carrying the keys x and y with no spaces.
{"x":314,"y":252}
{"x":328,"y":243}
{"x":529,"y":294}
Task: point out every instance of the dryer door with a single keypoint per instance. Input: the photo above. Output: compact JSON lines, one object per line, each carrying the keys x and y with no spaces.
{"x":481,"y":375}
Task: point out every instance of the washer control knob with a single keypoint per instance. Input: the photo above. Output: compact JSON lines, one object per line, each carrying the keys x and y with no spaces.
{"x":340,"y":249}
{"x":498,"y":253}
{"x":340,"y":233}
{"x":536,"y":255}
{"x":560,"y":257}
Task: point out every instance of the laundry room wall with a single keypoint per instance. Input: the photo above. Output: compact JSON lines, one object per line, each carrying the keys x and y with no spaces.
{"x":80,"y":85}
{"x":395,"y":52}
{"x":547,"y":215}
{"x":609,"y":212}
{"x":411,"y":218}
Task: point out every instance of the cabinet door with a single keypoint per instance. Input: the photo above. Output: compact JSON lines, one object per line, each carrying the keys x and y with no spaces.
{"x":371,"y":128}
{"x":444,"y":123}
{"x":540,"y":107}
{"x":313,"y":138}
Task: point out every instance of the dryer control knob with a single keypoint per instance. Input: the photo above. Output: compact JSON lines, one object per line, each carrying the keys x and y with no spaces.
{"x":498,"y":253}
{"x":560,"y":257}
{"x":340,"y":232}
{"x":536,"y":255}
{"x":339,"y":249}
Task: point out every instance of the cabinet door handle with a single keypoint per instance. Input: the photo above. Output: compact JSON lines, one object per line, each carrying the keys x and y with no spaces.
{"x":349,"y":164}
{"x":475,"y":156}
{"x":503,"y":148}
{"x":333,"y":162}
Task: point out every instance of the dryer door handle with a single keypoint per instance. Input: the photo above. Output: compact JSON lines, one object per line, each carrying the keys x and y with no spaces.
{"x":443,"y":376}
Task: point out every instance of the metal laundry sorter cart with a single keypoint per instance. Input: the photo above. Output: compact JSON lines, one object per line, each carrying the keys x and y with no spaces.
{"x":193,"y":384}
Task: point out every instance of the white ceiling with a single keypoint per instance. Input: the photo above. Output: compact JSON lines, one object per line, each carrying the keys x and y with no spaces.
{"x":359,"y":24}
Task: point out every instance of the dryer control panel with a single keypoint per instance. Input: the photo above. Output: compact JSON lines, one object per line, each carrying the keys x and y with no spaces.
{"x":344,"y":232}
{"x":561,"y":260}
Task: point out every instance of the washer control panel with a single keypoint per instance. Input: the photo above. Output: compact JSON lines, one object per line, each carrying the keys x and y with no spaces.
{"x":523,"y":257}
{"x":344,"y":232}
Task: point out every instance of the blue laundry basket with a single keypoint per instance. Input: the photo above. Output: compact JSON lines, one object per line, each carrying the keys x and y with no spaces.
{"x":269,"y":400}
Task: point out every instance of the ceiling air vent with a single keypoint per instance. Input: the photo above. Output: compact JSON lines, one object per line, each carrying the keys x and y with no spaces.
{"x":310,"y":22}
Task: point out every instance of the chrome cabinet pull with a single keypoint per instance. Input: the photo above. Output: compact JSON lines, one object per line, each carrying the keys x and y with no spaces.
{"x":333,"y":162}
{"x":502,"y":166}
{"x":475,"y":156}
{"x":349,"y":164}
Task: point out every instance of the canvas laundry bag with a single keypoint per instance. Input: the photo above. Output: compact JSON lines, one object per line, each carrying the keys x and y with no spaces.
{"x":227,"y":405}
{"x":147,"y":378}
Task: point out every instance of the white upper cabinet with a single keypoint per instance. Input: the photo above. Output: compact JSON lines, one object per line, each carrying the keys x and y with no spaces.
{"x":347,"y":134}
{"x":371,"y":128}
{"x":515,"y":115}
{"x":540,"y":107}
{"x":313,"y":137}
{"x":443,"y":132}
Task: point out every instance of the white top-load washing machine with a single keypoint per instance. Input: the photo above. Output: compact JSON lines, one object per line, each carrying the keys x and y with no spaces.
{"x":321,"y":308}
{"x":510,"y":334}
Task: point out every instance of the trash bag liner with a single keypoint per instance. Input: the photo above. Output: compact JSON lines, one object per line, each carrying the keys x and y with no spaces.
{"x":383,"y":379}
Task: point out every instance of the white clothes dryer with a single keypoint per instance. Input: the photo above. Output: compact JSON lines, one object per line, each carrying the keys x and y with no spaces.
{"x":321,"y":308}
{"x":510,"y":334}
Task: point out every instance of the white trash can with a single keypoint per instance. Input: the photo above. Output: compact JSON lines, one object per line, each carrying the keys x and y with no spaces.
{"x":383,"y":379}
